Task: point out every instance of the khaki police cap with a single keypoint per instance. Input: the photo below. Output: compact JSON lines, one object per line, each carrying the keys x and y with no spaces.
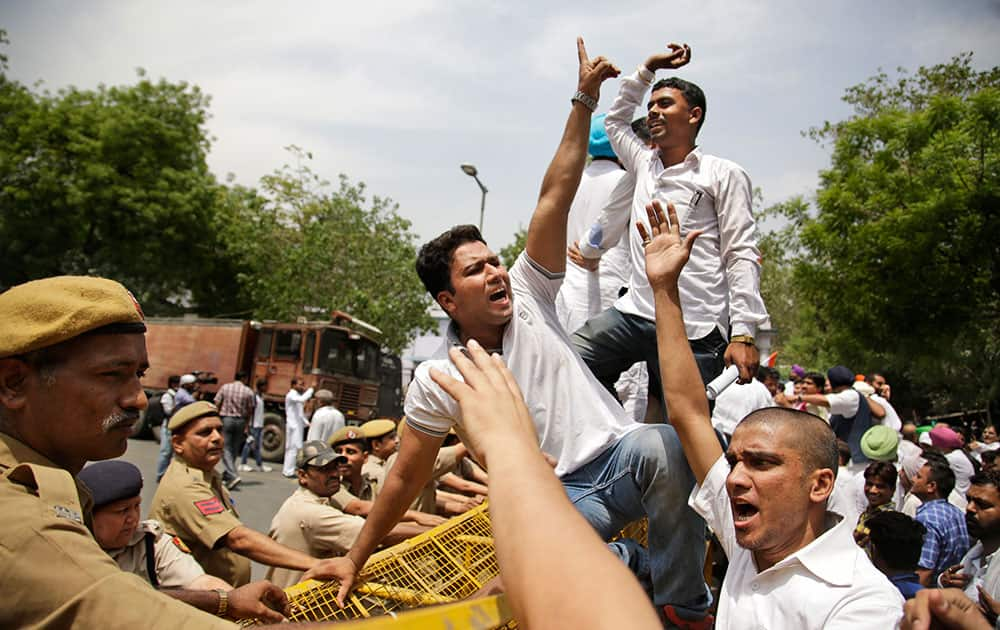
{"x":346,"y":434}
{"x":189,"y":413}
{"x":42,"y":313}
{"x":377,"y":428}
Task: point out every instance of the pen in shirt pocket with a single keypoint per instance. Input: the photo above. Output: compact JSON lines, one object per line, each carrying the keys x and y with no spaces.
{"x":695,"y":198}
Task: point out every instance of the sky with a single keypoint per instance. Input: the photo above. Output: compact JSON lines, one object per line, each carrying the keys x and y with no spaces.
{"x":399,"y":94}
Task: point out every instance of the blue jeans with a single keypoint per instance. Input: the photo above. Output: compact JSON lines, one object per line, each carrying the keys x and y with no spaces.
{"x":611,"y":342}
{"x":645,"y":474}
{"x":233,"y":436}
{"x":255,"y":433}
{"x":166,"y":451}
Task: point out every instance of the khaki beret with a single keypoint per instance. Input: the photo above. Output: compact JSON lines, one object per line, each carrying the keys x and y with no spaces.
{"x":378,"y":428}
{"x":323,"y":394}
{"x":42,"y":313}
{"x":346,"y":434}
{"x":189,"y":413}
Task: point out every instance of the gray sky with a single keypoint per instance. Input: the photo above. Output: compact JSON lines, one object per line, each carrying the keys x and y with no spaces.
{"x":398,"y":94}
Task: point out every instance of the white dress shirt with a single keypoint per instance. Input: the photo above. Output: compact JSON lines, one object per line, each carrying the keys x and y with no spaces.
{"x":720,"y":284}
{"x":737,"y":402}
{"x":294,"y":402}
{"x":585,"y":293}
{"x":326,"y":421}
{"x":829,"y":583}
{"x":575,"y":417}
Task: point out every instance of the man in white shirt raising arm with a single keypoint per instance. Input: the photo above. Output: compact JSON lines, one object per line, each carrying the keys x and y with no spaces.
{"x":613,"y":469}
{"x":791,"y":564}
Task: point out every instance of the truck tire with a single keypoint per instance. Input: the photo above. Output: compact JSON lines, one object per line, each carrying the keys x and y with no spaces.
{"x":272,"y":438}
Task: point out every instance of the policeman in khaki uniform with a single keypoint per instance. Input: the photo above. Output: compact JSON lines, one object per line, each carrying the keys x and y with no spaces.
{"x":382,"y":443}
{"x":357,"y":489}
{"x":142,"y":548}
{"x":192,"y":503}
{"x":352,"y":444}
{"x":306,"y":520}
{"x":310,"y":521}
{"x":72,"y":351}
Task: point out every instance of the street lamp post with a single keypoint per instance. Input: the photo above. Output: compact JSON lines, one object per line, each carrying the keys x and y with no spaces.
{"x":471,"y":171}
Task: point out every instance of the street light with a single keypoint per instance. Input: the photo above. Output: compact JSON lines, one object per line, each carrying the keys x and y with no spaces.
{"x":471,"y":171}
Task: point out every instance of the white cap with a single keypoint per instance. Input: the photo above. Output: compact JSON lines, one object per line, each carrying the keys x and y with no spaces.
{"x":188,"y":378}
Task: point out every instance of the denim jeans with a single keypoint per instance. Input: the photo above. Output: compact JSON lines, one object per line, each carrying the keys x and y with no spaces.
{"x":232,"y":433}
{"x":166,"y":451}
{"x":255,"y":433}
{"x":612,"y":341}
{"x":645,"y":474}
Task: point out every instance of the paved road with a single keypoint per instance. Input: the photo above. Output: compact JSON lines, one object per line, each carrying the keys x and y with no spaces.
{"x":257,"y":498}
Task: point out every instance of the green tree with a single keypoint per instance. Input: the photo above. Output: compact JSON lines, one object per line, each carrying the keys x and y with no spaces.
{"x":898,"y":269}
{"x":111,"y":181}
{"x":510,"y":252}
{"x":306,"y":251}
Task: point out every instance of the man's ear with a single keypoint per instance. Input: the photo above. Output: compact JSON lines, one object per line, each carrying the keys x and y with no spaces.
{"x":13,"y":380}
{"x":821,"y":485}
{"x":695,"y":114}
{"x":176,"y":439}
{"x":446,"y":300}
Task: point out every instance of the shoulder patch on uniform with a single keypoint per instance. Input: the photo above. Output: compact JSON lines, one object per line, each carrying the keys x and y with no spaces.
{"x":180,"y":544}
{"x":210,"y":506}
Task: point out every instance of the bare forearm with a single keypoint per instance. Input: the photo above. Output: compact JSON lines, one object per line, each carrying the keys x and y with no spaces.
{"x":523,"y":487}
{"x":547,"y":232}
{"x":263,"y":549}
{"x":683,"y":388}
{"x":201,"y":599}
{"x":814,"y":399}
{"x":403,"y":531}
{"x":458,"y":484}
{"x":387,"y":510}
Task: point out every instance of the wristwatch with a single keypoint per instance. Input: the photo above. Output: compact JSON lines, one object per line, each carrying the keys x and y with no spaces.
{"x":586,"y":100}
{"x":745,"y":339}
{"x":223,"y":603}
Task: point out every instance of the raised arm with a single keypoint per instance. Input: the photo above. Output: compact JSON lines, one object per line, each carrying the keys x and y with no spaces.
{"x":546,"y":242}
{"x":541,"y":559}
{"x":611,"y":224}
{"x":683,"y":389}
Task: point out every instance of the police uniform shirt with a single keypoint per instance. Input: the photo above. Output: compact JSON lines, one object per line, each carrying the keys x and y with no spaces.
{"x":311,"y":524}
{"x":174,"y":565}
{"x":193,"y":505}
{"x":374,"y":468}
{"x":54,"y":573}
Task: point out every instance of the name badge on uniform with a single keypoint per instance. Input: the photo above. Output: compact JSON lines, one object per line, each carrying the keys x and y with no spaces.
{"x":65,"y":512}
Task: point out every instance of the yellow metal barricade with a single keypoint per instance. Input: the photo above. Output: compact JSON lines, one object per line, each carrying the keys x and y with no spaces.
{"x":431,"y":572}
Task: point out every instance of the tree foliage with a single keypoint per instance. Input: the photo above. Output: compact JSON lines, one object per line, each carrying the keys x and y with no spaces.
{"x":306,"y":251}
{"x":898,"y":269}
{"x":111,"y":181}
{"x":510,"y":252}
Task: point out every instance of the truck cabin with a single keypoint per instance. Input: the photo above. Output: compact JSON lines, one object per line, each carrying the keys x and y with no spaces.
{"x":327,"y":356}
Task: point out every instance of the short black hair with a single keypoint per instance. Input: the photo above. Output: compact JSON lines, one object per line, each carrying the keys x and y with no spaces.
{"x":641,"y":129}
{"x":883,"y":471}
{"x":941,"y":474}
{"x":843,"y":452}
{"x":813,"y":437}
{"x":241,"y":375}
{"x":986,"y":477}
{"x":816,"y":378}
{"x":173,"y":380}
{"x":990,"y":456}
{"x":693,"y":94}
{"x":434,"y":259}
{"x":764,"y":373}
{"x":897,"y":538}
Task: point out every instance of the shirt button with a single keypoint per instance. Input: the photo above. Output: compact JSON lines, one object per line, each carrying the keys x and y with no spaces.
{"x":754,"y":587}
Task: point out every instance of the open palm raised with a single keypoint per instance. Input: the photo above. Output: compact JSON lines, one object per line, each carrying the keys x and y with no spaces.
{"x":666,"y":252}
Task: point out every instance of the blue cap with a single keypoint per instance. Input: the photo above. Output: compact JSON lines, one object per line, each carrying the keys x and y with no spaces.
{"x":600,"y":146}
{"x":111,"y":481}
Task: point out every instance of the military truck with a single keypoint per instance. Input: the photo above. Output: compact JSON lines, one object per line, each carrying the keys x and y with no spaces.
{"x":342,"y":355}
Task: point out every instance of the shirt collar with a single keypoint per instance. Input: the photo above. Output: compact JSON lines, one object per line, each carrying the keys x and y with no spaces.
{"x":453,"y":339}
{"x":692,"y":159}
{"x":825,"y":557}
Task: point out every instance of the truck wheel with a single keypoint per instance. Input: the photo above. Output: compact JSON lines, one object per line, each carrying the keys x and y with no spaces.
{"x":272,"y":439}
